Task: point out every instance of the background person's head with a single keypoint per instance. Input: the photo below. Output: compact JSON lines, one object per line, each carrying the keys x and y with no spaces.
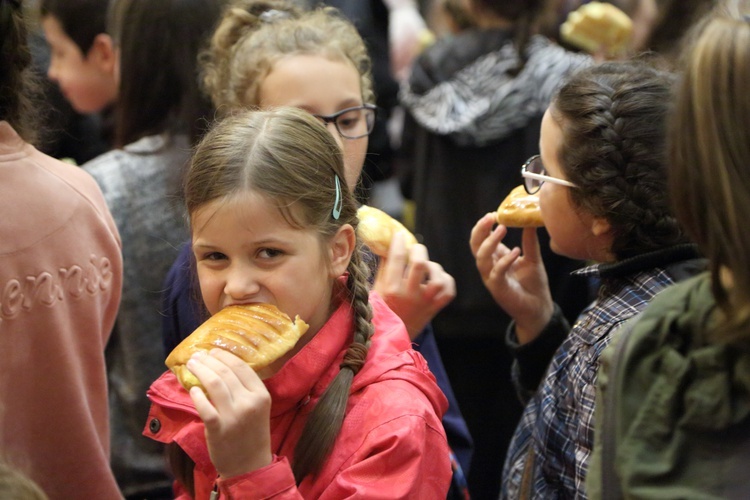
{"x":269,"y":53}
{"x":82,"y":60}
{"x":612,"y":124}
{"x":709,"y":153}
{"x":157,"y":45}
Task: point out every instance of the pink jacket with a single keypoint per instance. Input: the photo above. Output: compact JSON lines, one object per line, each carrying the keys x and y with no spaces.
{"x":60,"y":281}
{"x":392,"y":444}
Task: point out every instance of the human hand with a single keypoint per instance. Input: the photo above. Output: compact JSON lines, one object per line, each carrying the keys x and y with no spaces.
{"x":237,"y":415}
{"x":415,"y":288}
{"x":517,"y":282}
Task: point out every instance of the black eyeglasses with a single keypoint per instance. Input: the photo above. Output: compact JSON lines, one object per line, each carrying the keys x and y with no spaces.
{"x":534,"y":175}
{"x":352,"y":123}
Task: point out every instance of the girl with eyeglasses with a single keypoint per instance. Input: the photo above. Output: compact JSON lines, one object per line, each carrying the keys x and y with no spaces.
{"x":601,"y":180}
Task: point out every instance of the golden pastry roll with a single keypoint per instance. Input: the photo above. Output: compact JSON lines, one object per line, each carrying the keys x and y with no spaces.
{"x":520,"y":209}
{"x":259,"y":334}
{"x":598,"y":25}
{"x":376,"y":229}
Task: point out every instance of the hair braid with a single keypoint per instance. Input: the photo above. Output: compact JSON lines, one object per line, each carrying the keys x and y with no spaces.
{"x":613,"y":120}
{"x":328,"y":415}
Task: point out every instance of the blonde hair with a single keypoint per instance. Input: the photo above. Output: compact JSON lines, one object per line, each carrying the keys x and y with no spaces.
{"x":14,"y":485}
{"x":253,"y":35}
{"x":709,"y":152}
{"x":288,"y":156}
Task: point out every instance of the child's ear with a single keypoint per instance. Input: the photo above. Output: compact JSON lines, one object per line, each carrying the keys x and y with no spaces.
{"x":102,"y":53}
{"x":600,"y":226}
{"x":340,"y":249}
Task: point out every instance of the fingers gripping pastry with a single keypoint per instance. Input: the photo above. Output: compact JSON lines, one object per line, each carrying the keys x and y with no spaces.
{"x":598,"y":25}
{"x":520,"y":209}
{"x":376,"y":229}
{"x":259,"y":334}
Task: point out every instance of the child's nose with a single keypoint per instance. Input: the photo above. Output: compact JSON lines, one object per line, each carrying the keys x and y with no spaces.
{"x":241,"y":286}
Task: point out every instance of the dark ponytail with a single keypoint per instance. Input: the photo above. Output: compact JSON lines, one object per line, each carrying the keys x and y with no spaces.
{"x":18,"y":83}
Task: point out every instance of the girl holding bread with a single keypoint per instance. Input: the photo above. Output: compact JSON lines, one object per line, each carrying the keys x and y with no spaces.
{"x":266,"y":54}
{"x":351,"y":410}
{"x":601,"y":181}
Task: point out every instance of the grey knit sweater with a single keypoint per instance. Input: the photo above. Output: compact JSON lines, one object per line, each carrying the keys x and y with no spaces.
{"x":141,"y":184}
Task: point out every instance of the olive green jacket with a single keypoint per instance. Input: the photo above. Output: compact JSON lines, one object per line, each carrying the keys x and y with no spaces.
{"x":681,"y":421}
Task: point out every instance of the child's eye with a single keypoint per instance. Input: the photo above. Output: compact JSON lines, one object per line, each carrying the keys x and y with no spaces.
{"x":269,"y":253}
{"x":349,"y":121}
{"x":213,"y":256}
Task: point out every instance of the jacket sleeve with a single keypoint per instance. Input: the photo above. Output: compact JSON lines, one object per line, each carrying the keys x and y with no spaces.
{"x":454,"y":424}
{"x":531,"y":360}
{"x":403,"y":458}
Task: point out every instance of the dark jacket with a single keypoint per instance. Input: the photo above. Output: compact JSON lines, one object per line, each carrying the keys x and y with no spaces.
{"x":471,"y":123}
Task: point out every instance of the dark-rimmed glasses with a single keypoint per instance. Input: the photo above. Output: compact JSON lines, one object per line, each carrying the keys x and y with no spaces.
{"x":352,"y":123}
{"x":534,"y":175}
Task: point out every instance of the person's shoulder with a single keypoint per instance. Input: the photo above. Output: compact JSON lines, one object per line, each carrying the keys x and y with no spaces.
{"x":678,"y":305}
{"x":106,"y":164}
{"x":78,"y":179}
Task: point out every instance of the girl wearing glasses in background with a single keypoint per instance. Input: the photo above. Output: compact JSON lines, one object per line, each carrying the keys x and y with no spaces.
{"x":601,"y":180}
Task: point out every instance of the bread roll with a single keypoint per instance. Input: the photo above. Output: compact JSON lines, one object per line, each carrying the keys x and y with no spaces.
{"x":520,"y":209}
{"x":376,"y":229}
{"x":259,"y":334}
{"x":598,"y":26}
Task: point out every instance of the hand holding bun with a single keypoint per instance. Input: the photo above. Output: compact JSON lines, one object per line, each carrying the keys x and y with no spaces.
{"x":259,"y":334}
{"x":598,"y":26}
{"x":376,"y":229}
{"x":520,"y":209}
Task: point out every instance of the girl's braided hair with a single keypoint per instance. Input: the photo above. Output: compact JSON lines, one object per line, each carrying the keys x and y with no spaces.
{"x":288,"y":156}
{"x":613,"y":119}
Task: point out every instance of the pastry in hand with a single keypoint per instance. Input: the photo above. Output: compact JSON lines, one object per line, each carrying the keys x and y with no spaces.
{"x":377,"y":228}
{"x":598,"y":26}
{"x":520,"y":209}
{"x":259,"y":334}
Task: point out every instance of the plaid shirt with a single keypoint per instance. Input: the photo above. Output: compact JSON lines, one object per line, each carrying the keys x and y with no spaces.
{"x":555,"y":435}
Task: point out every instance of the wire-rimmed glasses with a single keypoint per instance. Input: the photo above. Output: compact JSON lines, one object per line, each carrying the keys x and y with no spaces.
{"x":534,"y":175}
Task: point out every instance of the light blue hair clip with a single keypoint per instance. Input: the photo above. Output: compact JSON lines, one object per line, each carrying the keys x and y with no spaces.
{"x":273,"y":15}
{"x":339,"y":203}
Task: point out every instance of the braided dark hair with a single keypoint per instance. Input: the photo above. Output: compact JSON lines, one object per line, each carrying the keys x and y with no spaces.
{"x":613,"y":119}
{"x":18,"y":83}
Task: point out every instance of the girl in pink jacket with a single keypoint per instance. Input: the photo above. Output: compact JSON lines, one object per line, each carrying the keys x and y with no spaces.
{"x":352,"y":410}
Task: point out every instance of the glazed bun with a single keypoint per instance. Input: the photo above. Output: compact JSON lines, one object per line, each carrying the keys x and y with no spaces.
{"x":520,"y":209}
{"x":259,"y":334}
{"x":598,"y":26}
{"x":377,"y":228}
